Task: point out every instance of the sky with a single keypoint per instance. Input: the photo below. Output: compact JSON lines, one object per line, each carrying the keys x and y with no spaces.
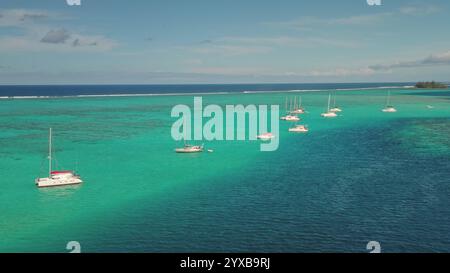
{"x":223,"y":41}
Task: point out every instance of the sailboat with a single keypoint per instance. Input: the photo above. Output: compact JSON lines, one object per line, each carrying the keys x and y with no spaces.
{"x":290,"y":116}
{"x":265,"y":136}
{"x":286,"y":109}
{"x":329,"y":114}
{"x":299,"y":129}
{"x":335,"y":108}
{"x":57,"y":178}
{"x":298,"y":108}
{"x":188,"y":149}
{"x":389,"y":108}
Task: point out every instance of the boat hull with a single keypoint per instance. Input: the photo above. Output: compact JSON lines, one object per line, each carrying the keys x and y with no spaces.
{"x":265,"y":137}
{"x":292,"y":118}
{"x":298,"y":130}
{"x":57,"y":182}
{"x":389,"y":110}
{"x":329,"y":115}
{"x":183,"y":151}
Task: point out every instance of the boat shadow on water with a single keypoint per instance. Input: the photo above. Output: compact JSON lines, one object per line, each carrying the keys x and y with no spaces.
{"x":62,"y":191}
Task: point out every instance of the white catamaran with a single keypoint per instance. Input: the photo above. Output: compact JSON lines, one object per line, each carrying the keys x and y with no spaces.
{"x":329,"y":114}
{"x":286,"y":109}
{"x":389,"y":108}
{"x":335,"y":108}
{"x":299,"y":129}
{"x":298,"y":109}
{"x":189,"y":149}
{"x":265,"y":136}
{"x":290,"y":116}
{"x":57,"y":178}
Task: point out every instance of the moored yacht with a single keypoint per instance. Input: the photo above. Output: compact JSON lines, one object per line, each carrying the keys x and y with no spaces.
{"x":298,"y":109}
{"x":291,"y":113}
{"x":57,"y":178}
{"x":329,"y":114}
{"x":389,"y":108}
{"x":265,"y":136}
{"x":299,"y":129}
{"x":335,"y":108}
{"x":287,"y":110}
{"x":190,"y":149}
{"x":291,"y":118}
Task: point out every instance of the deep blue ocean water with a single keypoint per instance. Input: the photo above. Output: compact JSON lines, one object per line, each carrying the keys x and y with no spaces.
{"x":74,"y":90}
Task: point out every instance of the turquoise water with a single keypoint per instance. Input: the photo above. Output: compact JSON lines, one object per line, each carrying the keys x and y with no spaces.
{"x":363,"y":176}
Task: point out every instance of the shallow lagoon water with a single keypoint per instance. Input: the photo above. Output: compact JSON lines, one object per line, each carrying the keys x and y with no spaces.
{"x":363,"y":176}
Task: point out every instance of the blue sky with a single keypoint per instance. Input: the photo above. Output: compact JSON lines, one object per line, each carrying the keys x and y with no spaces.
{"x":223,"y":41}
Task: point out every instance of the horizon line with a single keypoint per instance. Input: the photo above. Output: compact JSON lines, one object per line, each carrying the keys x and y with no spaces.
{"x":175,"y":84}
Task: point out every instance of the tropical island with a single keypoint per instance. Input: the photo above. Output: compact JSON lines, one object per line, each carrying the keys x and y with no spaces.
{"x":431,"y":85}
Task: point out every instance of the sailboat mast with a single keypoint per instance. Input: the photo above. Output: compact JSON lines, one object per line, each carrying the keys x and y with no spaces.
{"x":50,"y":153}
{"x":300,"y":101}
{"x":388,"y":100}
{"x":329,"y":101}
{"x":334,"y":101}
{"x":286,"y":107}
{"x":185,"y":131}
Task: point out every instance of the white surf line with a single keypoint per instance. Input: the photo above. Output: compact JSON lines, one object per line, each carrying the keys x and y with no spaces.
{"x":202,"y":93}
{"x":113,"y":95}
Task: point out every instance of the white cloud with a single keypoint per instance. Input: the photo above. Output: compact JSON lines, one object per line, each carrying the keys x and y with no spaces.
{"x":75,"y":42}
{"x":230,"y":71}
{"x":41,"y":37}
{"x":57,"y":36}
{"x":238,"y":46}
{"x":288,"y":41}
{"x":441,"y":58}
{"x":311,"y":23}
{"x":334,"y":72}
{"x":21,"y":17}
{"x":361,"y":19}
{"x":228,"y":50}
{"x":193,"y":62}
{"x":432,"y":60}
{"x":419,"y":10}
{"x":268,"y":72}
{"x":343,"y":72}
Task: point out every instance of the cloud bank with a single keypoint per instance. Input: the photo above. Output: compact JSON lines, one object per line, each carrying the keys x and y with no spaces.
{"x":56,"y":36}
{"x":432,"y":60}
{"x":39,"y":35}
